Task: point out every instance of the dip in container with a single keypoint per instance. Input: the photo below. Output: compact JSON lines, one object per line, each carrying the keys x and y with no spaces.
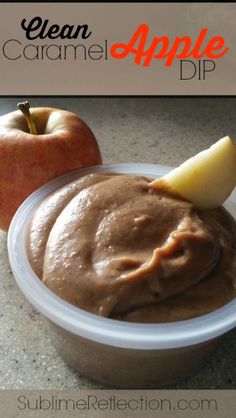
{"x":118,"y":353}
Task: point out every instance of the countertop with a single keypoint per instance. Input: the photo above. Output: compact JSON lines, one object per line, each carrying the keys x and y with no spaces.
{"x":154,"y":130}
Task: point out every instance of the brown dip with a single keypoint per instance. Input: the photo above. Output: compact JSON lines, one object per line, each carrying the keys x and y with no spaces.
{"x":109,"y":244}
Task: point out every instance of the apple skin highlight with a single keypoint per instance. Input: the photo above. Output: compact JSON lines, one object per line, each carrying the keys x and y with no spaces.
{"x":63,"y":143}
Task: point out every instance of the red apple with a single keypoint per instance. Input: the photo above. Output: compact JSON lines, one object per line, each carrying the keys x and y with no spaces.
{"x":29,"y":158}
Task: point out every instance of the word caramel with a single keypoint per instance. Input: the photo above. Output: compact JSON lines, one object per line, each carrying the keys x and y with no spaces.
{"x":162,"y":49}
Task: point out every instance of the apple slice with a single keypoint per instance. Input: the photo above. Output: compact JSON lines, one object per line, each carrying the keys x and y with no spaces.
{"x":207,"y":179}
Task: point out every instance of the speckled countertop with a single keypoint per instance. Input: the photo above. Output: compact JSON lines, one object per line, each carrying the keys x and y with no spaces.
{"x":155,"y":130}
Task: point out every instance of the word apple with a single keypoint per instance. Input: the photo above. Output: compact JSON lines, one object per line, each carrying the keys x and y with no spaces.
{"x":163,"y":48}
{"x":37,"y":145}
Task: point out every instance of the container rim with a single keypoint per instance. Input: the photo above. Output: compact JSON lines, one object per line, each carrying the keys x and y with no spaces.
{"x":90,"y":326}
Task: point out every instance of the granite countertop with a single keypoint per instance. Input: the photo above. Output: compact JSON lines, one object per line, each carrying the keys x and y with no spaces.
{"x":153,"y":130}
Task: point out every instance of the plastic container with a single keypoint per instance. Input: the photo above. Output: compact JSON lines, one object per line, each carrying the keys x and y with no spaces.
{"x":118,"y":353}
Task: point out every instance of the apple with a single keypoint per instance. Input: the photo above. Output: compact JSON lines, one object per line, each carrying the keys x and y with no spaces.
{"x":37,"y":145}
{"x":207,"y":179}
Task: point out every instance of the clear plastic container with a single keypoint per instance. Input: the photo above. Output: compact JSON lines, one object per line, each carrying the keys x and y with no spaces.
{"x":118,"y":353}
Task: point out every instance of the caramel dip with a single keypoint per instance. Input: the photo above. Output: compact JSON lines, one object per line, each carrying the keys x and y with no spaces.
{"x":110,"y":245}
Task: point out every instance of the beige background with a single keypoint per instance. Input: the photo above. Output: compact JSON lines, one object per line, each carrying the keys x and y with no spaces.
{"x":116,"y":22}
{"x":221,"y":404}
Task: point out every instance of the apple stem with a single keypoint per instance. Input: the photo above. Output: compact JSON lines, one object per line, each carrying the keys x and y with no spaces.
{"x":25,"y":109}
